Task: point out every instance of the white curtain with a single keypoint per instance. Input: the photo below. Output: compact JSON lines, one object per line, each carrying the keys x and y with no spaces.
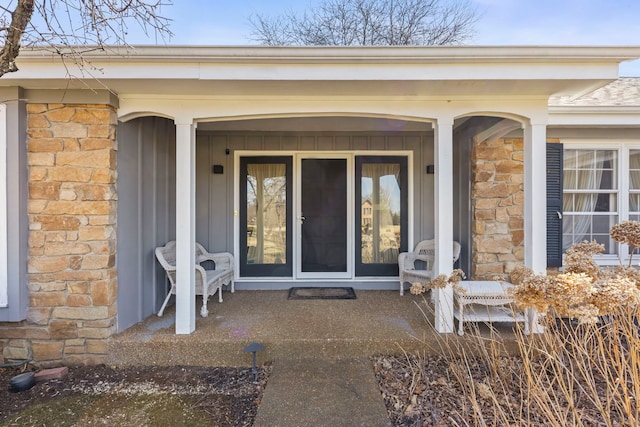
{"x":634,"y":178}
{"x":588,"y":176}
{"x":267,"y":184}
{"x":384,"y":242}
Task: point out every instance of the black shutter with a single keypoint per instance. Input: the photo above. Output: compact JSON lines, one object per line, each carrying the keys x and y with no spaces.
{"x":554,"y":205}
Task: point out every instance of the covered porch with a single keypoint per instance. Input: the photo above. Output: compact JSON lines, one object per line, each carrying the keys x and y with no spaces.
{"x":416,"y":86}
{"x":375,"y":323}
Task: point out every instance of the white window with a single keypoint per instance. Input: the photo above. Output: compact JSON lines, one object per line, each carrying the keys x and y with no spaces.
{"x":634,"y":184}
{"x":4,"y":299}
{"x":601,"y":188}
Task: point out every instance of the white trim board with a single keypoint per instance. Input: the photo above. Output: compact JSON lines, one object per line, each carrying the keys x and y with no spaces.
{"x":4,"y":297}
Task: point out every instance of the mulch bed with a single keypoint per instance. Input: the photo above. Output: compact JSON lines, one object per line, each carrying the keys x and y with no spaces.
{"x":149,"y":395}
{"x":417,"y":392}
{"x":423,"y":392}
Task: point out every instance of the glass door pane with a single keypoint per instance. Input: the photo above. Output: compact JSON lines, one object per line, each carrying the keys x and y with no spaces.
{"x":381,"y":213}
{"x":265,"y":216}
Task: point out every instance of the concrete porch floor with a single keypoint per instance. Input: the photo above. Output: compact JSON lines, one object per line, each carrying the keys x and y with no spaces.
{"x":377,"y":322}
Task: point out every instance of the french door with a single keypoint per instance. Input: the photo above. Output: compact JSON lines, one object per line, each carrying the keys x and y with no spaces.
{"x":322,"y":215}
{"x":381,"y":191}
{"x":324,"y":230}
{"x":265,"y":216}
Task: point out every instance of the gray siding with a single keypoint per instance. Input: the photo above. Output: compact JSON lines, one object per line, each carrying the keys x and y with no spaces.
{"x":462,"y":210}
{"x":146,"y":214}
{"x":17,"y":217}
{"x":214,"y":192}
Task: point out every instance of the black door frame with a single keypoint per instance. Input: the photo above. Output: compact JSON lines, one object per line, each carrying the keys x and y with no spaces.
{"x":266,"y":270}
{"x":370,"y":269}
{"x":354,"y":172}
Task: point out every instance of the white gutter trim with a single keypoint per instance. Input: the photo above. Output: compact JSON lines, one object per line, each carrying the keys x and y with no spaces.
{"x":412,"y":54}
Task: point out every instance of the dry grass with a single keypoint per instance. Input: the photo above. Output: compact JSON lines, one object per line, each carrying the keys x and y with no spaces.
{"x":582,"y":370}
{"x":572,"y":374}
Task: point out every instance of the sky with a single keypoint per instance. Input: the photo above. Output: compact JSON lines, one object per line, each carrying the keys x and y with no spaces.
{"x":502,"y":22}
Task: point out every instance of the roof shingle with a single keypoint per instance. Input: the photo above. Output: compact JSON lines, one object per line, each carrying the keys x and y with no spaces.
{"x":622,"y":92}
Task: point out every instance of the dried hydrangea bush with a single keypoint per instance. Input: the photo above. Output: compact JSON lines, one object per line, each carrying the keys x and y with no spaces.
{"x":583,"y":372}
{"x":441,"y":281}
{"x":584,"y":290}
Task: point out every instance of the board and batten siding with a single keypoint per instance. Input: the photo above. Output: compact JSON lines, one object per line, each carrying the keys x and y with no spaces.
{"x":146,"y":214}
{"x":215,"y":192}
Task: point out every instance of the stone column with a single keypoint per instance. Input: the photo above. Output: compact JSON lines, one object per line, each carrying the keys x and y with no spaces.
{"x":498,"y":207}
{"x":72,"y":241}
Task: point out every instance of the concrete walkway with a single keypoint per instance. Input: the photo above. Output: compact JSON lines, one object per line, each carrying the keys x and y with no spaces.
{"x":322,"y":392}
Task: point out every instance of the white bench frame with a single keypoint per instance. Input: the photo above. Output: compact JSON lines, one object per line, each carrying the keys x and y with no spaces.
{"x":208,"y":282}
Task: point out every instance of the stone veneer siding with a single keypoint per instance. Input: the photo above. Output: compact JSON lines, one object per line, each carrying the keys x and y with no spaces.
{"x":72,"y":239}
{"x":497,"y":197}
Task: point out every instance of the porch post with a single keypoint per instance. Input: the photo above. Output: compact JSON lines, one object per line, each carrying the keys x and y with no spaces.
{"x":535,"y":206}
{"x":444,"y":221}
{"x":185,"y":226}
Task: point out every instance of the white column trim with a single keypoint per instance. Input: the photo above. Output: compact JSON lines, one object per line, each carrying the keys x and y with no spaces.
{"x":535,"y":194}
{"x":443,"y":156}
{"x":535,"y":206}
{"x":4,"y":278}
{"x":185,"y":227}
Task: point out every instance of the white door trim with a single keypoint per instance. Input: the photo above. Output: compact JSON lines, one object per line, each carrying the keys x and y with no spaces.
{"x":297,"y":213}
{"x":297,"y":155}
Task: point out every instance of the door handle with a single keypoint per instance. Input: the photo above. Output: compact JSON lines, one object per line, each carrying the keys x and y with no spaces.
{"x":302,"y":218}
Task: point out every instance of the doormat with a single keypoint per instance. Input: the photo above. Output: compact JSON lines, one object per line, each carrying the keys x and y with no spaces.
{"x":322,"y":293}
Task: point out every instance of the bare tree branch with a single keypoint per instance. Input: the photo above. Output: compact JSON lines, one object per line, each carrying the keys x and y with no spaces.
{"x":71,"y":28}
{"x":370,"y":23}
{"x":19,"y":20}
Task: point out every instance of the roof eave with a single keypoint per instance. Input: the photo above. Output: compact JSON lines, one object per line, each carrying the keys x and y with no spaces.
{"x":330,"y":54}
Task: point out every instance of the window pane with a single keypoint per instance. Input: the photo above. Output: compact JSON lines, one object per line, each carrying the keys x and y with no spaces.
{"x":590,"y":214}
{"x":578,"y":228}
{"x":590,"y":202}
{"x":602,"y":224}
{"x":609,"y":245}
{"x":567,"y":203}
{"x":570,"y":159}
{"x":634,"y":180}
{"x":380,"y":206}
{"x":266,"y":213}
{"x":570,"y":178}
{"x":606,"y":202}
{"x":634,"y":203}
{"x":585,"y":159}
{"x":634,"y":169}
{"x":606,"y":159}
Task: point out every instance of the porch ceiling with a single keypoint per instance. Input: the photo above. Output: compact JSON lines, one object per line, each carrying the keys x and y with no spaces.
{"x":437,"y":72}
